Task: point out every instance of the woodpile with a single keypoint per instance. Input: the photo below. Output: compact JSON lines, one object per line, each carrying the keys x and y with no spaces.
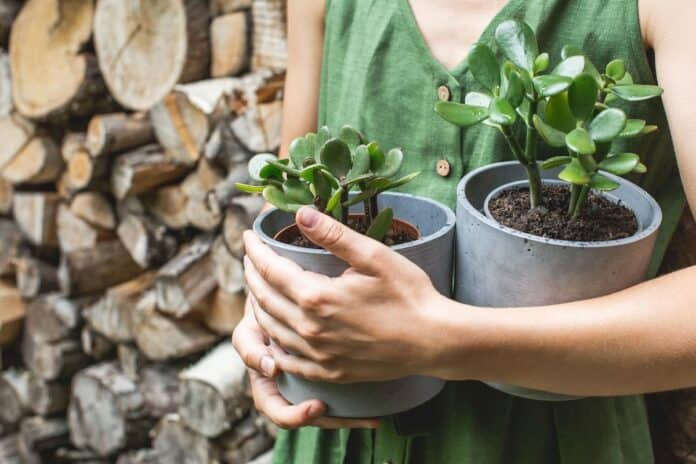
{"x":125,"y":125}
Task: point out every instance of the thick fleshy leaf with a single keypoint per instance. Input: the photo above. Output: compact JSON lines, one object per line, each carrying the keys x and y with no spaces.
{"x":555,"y":161}
{"x":552,"y":136}
{"x":377,"y":156}
{"x":484,"y":66}
{"x":603,"y":183}
{"x":640,"y":168}
{"x":501,"y":112}
{"x":632,"y":129}
{"x":514,"y":89}
{"x":271,"y":171}
{"x":649,"y":129}
{"x":301,"y":149}
{"x":570,"y":67}
{"x":381,"y":224}
{"x":276,"y":197}
{"x":579,"y":141}
{"x":257,"y":163}
{"x":335,"y":154}
{"x":392,"y":163}
{"x":636,"y":92}
{"x":582,"y":96}
{"x":297,"y":191}
{"x":616,"y":69}
{"x":575,"y":173}
{"x":518,"y":42}
{"x":557,"y":113}
{"x":307,"y":173}
{"x":607,"y":125}
{"x":541,"y":63}
{"x":570,"y":50}
{"x":550,"y":84}
{"x":477,"y":99}
{"x":459,"y":114}
{"x":323,"y":136}
{"x":335,"y":200}
{"x":350,"y":136}
{"x":246,"y":188}
{"x":620,"y":164}
{"x":322,"y":185}
{"x":282,"y":165}
{"x":361,"y":162}
{"x":389,"y":185}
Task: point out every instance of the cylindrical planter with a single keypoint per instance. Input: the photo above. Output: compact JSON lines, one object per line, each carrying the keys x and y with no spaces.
{"x":432,"y":252}
{"x":503,"y":268}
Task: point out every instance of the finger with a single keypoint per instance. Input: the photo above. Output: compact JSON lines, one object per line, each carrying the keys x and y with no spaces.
{"x":360,"y":251}
{"x":306,"y":368}
{"x":249,"y":342}
{"x":270,"y":299}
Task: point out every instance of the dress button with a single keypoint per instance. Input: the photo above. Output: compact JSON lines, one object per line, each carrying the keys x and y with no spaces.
{"x":443,"y":93}
{"x":443,"y":167}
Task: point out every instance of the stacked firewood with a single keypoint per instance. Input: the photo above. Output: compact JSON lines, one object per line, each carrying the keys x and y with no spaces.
{"x":124,"y":126}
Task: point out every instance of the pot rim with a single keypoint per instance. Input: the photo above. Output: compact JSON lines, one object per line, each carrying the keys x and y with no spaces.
{"x":449,"y":224}
{"x":647,"y":230}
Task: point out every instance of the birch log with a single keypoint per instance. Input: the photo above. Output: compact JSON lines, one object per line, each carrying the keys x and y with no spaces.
{"x":53,"y":317}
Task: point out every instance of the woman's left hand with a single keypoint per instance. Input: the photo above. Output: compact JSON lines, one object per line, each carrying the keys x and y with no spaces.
{"x":368,"y":324}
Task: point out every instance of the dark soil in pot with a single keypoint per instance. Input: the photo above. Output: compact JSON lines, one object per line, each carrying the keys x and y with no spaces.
{"x":600,"y":220}
{"x":400,"y":232}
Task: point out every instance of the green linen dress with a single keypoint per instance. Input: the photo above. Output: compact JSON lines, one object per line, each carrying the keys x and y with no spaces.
{"x":379,"y":75}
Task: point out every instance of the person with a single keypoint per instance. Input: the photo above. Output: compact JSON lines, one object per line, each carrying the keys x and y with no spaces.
{"x":381,"y":66}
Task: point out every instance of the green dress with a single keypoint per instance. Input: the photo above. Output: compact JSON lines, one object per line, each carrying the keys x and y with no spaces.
{"x":379,"y":75}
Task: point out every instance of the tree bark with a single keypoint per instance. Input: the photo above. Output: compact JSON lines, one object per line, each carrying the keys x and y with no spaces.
{"x":94,"y":208}
{"x":244,"y":442}
{"x":168,"y":204}
{"x":229,"y":37}
{"x":12,"y":313}
{"x":196,"y":186}
{"x":74,"y":233}
{"x":14,"y":396}
{"x":6,"y":194}
{"x":53,"y":360}
{"x":48,"y":397}
{"x":39,"y":438}
{"x":147,"y":241}
{"x":115,"y":132}
{"x":10,"y":246}
{"x":35,"y":213}
{"x":239,"y":216}
{"x":175,"y":443}
{"x":143,"y":169}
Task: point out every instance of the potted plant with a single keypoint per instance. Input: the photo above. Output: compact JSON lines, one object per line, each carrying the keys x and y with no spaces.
{"x":535,"y":233}
{"x":349,"y":178}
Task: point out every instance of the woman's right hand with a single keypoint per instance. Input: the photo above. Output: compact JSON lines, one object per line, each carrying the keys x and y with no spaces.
{"x":254,"y":348}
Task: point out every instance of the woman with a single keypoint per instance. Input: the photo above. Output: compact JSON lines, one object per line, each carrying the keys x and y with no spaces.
{"x":381,"y":65}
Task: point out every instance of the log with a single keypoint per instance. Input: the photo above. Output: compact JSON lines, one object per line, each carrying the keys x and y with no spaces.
{"x":229,"y":271}
{"x":39,"y":438}
{"x":15,"y":133}
{"x":223,"y":149}
{"x":244,"y":442}
{"x":239,"y":216}
{"x":265,"y":458}
{"x":35,"y":213}
{"x":94,"y":208}
{"x":10,"y":246}
{"x":196,"y":186}
{"x":47,"y":38}
{"x":8,"y":12}
{"x":72,"y":143}
{"x":143,"y":169}
{"x":6,"y":194}
{"x":225,"y":192}
{"x":145,"y":48}
{"x":159,"y":384}
{"x":161,"y":338}
{"x":6,"y":102}
{"x":92,"y":270}
{"x":48,"y":397}
{"x":221,"y":7}
{"x":176,"y":443}
{"x":147,"y":240}
{"x":213,"y":392}
{"x":83,"y":456}
{"x":53,"y":360}
{"x":53,"y":317}
{"x":168,"y":204}
{"x":229,"y":42}
{"x":258,"y":128}
{"x":9,"y":450}
{"x":115,"y":132}
{"x":14,"y":396}
{"x":35,"y":277}
{"x":143,"y":456}
{"x":38,"y":162}
{"x":85,"y":172}
{"x":131,"y":204}
{"x":96,"y":345}
{"x":130,"y":360}
{"x":106,"y":412}
{"x":12,"y":313}
{"x":186,"y":279}
{"x":74,"y":233}
{"x":225,"y":311}
{"x":270,"y":38}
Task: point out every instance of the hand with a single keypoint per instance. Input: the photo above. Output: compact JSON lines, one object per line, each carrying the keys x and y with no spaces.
{"x":252,"y":345}
{"x":369,"y":324}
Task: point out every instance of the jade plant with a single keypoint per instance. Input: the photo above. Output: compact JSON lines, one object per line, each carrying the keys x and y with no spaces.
{"x":572,"y":107}
{"x":322,"y":169}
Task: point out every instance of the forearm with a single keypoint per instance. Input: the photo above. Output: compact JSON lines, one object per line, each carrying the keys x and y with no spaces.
{"x":639,"y":340}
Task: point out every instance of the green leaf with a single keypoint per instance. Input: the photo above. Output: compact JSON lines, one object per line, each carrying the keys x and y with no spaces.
{"x":350,"y":136}
{"x":558,"y":114}
{"x":552,"y":136}
{"x":636,"y":92}
{"x":484,"y":66}
{"x":555,"y":161}
{"x":301,"y":149}
{"x":361,"y":162}
{"x":323,"y":136}
{"x":284,"y":167}
{"x":335,"y":154}
{"x":459,"y":114}
{"x":257,"y":162}
{"x":297,"y":191}
{"x":389,"y":185}
{"x":377,"y":156}
{"x":478,"y":99}
{"x":322,"y":185}
{"x":518,"y":42}
{"x":271,"y":171}
{"x":640,"y":168}
{"x":616,"y":69}
{"x":501,"y":112}
{"x":649,"y":129}
{"x":632,"y":129}
{"x":570,"y":50}
{"x":603,"y":183}
{"x":335,"y":200}
{"x":381,"y":224}
{"x":579,"y":141}
{"x":249,"y":188}
{"x":550,"y":84}
{"x":308,"y":172}
{"x":392,"y":163}
{"x":276,"y":197}
{"x":514,"y":89}
{"x":620,"y":164}
{"x":582,"y":96}
{"x":575,"y":173}
{"x":571,"y":67}
{"x":607,"y":125}
{"x":541,"y":63}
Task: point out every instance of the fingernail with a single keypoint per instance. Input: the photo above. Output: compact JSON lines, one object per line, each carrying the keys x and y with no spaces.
{"x":308,"y":217}
{"x":267,"y":366}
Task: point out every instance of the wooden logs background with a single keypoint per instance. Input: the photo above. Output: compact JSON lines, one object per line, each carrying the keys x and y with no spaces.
{"x":124,"y":125}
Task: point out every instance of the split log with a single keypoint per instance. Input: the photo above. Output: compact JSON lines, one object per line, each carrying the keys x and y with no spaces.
{"x":10,"y":246}
{"x":111,"y":315}
{"x":130,"y":360}
{"x":213,"y":392}
{"x":6,"y":193}
{"x":196,"y":186}
{"x":223,"y":149}
{"x":39,"y":438}
{"x":161,"y":338}
{"x":229,"y":40}
{"x":9,"y":450}
{"x":92,"y":270}
{"x":47,"y":397}
{"x":47,"y":38}
{"x":143,"y":456}
{"x":159,"y":384}
{"x":147,"y":240}
{"x":145,"y":48}
{"x":229,"y":270}
{"x":12,"y":313}
{"x":225,"y":311}
{"x":35,"y":277}
{"x":74,"y":233}
{"x":115,"y":132}
{"x":244,"y":442}
{"x":270,"y":38}
{"x":14,"y":396}
{"x":176,"y":443}
{"x":106,"y":412}
{"x":131,"y":204}
{"x":96,"y":345}
{"x":85,"y":172}
{"x":15,"y":133}
{"x":35,"y":213}
{"x":53,"y":317}
{"x":259,"y":127}
{"x":82,"y":456}
{"x":168,"y":204}
{"x":239,"y":216}
{"x":72,"y":143}
{"x":143,"y":169}
{"x":53,"y":360}
{"x":221,"y":7}
{"x":224,"y":192}
{"x":38,"y":162}
{"x":186,"y":279}
{"x":6,"y":102}
{"x":94,"y":208}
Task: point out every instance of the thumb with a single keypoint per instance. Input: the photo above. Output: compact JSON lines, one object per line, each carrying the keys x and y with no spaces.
{"x":359,"y":251}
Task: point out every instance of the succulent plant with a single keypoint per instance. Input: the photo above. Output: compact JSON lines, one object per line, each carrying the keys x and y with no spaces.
{"x":568,"y":108}
{"x":321,"y":171}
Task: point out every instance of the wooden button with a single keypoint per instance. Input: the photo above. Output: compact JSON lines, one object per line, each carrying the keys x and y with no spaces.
{"x":443,"y":167}
{"x":443,"y":93}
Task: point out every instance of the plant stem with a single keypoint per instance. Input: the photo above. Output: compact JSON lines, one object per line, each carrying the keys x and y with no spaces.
{"x":514,"y":146}
{"x":534,"y":178}
{"x":580,"y":202}
{"x":574,"y":194}
{"x":530,"y":152}
{"x":374,"y":207}
{"x":344,"y":210}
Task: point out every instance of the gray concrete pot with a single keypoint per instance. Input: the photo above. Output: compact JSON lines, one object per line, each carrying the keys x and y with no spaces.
{"x":502,"y":267}
{"x":432,"y":252}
